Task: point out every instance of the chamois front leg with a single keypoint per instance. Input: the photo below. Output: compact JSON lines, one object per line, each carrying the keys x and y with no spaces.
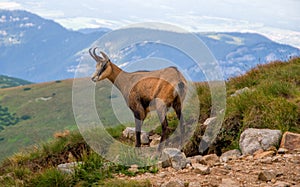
{"x":139,"y":118}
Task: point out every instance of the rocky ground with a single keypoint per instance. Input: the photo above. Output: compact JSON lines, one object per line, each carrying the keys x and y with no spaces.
{"x":264,"y":168}
{"x":259,"y":163}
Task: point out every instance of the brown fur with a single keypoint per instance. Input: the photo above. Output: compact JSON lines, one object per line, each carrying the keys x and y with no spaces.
{"x":144,"y":91}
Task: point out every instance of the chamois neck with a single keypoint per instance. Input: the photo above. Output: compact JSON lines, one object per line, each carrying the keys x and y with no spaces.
{"x":116,"y":71}
{"x":119,"y":78}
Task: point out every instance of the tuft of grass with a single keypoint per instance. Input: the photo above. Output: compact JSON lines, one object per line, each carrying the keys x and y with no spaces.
{"x":126,"y":183}
{"x":50,"y":178}
{"x":116,"y":132}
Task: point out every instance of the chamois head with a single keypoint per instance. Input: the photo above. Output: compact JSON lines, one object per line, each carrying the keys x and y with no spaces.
{"x":103,"y":66}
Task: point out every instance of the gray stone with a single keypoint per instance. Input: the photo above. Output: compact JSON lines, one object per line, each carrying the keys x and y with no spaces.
{"x":129,"y":133}
{"x":175,"y":158}
{"x":240,"y":91}
{"x":252,"y":140}
{"x":230,"y":155}
{"x":210,"y":121}
{"x":68,"y":168}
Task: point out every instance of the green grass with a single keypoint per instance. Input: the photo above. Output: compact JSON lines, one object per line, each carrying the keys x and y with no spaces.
{"x":21,"y":169}
{"x":273,"y":101}
{"x":45,"y":117}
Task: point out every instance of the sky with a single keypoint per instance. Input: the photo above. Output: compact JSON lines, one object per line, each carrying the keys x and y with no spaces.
{"x":279,"y":20}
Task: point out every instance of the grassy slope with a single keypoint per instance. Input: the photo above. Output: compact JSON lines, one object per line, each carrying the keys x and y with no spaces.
{"x":272,"y":102}
{"x":46,"y":116}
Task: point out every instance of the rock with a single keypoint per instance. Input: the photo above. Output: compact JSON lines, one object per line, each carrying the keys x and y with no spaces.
{"x":240,"y":91}
{"x":209,"y":160}
{"x":129,"y":133}
{"x":134,"y":168}
{"x":264,"y":154}
{"x":290,"y":141}
{"x":195,"y":159}
{"x":68,"y":167}
{"x":201,"y":169}
{"x":174,"y":158}
{"x":154,"y":140}
{"x":266,"y":175}
{"x":173,"y":183}
{"x":252,"y":140}
{"x":281,"y":184}
{"x":230,"y":155}
{"x":210,"y":121}
{"x":282,"y":150}
{"x":228,"y":183}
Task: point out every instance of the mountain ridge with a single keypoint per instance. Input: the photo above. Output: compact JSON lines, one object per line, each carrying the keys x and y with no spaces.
{"x":41,"y":50}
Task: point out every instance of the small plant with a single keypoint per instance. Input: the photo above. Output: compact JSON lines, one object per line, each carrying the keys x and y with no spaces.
{"x":27,"y":89}
{"x":51,"y":177}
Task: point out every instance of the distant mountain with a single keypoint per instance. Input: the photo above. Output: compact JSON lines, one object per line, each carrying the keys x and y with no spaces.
{"x":6,"y":82}
{"x":39,"y":50}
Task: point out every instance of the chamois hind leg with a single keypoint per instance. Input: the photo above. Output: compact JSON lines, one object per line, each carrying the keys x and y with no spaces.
{"x":162,"y":109}
{"x":139,"y":116}
{"x":178,"y":109}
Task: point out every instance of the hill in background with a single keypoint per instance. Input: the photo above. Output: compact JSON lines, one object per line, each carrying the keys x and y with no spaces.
{"x":6,"y":82}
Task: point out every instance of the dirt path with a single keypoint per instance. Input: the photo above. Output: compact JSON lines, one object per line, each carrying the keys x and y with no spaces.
{"x":277,"y":170}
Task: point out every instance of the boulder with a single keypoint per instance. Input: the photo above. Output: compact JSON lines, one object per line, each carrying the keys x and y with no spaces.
{"x":129,"y":133}
{"x":68,"y":168}
{"x":252,"y":140}
{"x":230,"y":155}
{"x":290,"y":141}
{"x":175,"y":158}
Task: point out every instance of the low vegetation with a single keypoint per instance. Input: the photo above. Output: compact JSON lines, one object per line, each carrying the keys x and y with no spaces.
{"x":271,"y":100}
{"x":37,"y":165}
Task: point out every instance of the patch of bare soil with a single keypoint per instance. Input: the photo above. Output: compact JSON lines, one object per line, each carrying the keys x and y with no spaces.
{"x":278,"y":170}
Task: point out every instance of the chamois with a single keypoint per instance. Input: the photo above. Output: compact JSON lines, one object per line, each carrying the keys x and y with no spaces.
{"x":145,"y":90}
